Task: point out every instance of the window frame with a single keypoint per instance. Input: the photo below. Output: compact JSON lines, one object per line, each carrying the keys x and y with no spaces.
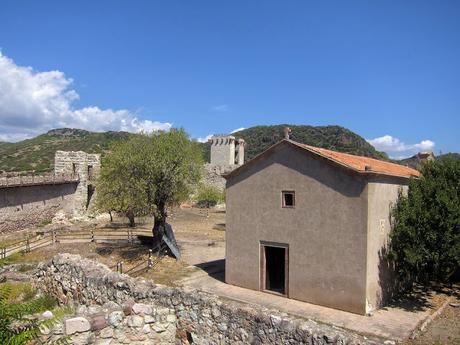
{"x":283,"y":199}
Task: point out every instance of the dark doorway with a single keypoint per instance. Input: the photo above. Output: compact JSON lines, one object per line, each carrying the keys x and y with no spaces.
{"x":90,"y":195}
{"x":275,"y":269}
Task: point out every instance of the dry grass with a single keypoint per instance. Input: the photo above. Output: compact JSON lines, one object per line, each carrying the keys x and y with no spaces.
{"x":187,"y":224}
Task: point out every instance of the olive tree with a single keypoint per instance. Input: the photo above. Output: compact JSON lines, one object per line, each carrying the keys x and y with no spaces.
{"x":148,"y":172}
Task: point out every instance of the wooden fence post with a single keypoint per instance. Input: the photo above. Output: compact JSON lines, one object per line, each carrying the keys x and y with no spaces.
{"x":27,"y":244}
{"x":92,"y":235}
{"x":150,"y":262}
{"x":54,"y":236}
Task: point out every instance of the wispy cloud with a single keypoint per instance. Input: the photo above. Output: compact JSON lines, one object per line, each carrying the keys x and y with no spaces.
{"x":205,"y":139}
{"x":220,"y":108}
{"x":33,"y":102}
{"x":397,"y":149}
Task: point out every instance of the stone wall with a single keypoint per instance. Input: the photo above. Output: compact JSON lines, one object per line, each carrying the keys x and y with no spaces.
{"x":86,"y":166}
{"x":212,"y":174}
{"x":114,"y":308}
{"x":26,"y":206}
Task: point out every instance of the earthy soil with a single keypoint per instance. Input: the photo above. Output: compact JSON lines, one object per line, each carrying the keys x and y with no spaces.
{"x":445,"y":328}
{"x":200,"y":235}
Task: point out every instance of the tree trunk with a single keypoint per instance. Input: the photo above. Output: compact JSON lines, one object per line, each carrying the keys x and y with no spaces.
{"x":130,"y":215}
{"x":159,"y":223}
{"x":111,"y":218}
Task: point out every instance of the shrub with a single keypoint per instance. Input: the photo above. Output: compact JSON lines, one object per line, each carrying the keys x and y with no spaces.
{"x":425,"y":241}
{"x":18,"y":325}
{"x":209,"y":196}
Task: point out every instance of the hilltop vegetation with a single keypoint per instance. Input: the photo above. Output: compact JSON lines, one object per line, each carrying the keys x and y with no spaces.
{"x":260,"y":138}
{"x":37,"y":154}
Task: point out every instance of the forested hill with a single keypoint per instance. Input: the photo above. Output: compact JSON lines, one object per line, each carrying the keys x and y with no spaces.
{"x":37,"y":154}
{"x":337,"y":138}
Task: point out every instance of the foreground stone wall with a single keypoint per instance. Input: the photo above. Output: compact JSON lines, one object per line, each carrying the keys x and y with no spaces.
{"x":135,"y":311}
{"x":26,"y":206}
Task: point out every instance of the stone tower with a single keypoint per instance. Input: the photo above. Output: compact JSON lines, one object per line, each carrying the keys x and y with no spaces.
{"x":224,"y":150}
{"x":86,"y":166}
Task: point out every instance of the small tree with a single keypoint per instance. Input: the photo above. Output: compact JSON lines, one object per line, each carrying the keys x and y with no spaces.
{"x":209,"y":195}
{"x":425,"y":241}
{"x":148,"y":172}
{"x":121,"y":185}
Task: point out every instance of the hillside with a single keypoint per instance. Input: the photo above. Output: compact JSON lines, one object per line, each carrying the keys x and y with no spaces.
{"x":337,"y":138}
{"x":37,"y":154}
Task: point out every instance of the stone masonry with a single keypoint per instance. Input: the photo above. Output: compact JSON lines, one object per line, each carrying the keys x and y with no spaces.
{"x":113,"y":308}
{"x":227,"y":154}
{"x":86,"y":166}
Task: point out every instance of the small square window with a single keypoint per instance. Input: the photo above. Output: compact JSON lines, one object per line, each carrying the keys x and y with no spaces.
{"x":288,"y":199}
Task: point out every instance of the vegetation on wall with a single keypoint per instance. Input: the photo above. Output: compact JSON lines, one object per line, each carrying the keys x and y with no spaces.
{"x":18,"y":321}
{"x":425,"y":241}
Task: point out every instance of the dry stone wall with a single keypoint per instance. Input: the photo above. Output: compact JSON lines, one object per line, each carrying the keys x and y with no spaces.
{"x":114,"y":308}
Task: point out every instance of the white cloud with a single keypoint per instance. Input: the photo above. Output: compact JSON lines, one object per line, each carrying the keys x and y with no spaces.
{"x":33,"y":102}
{"x":392,"y":145}
{"x":205,"y":139}
{"x":220,"y":108}
{"x":237,"y":130}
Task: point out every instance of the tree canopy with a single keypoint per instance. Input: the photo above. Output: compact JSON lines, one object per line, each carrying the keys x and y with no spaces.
{"x":425,"y":241}
{"x":144,"y":174}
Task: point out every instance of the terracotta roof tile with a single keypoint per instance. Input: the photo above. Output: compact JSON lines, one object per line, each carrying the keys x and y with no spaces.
{"x":361,"y":163}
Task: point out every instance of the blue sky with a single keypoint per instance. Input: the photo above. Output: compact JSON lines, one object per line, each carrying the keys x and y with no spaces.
{"x":388,"y":70}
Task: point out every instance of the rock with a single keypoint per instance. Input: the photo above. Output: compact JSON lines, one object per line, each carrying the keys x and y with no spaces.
{"x":171,"y":318}
{"x":77,"y":325}
{"x":98,"y":322}
{"x":149,"y":319}
{"x":106,"y":333}
{"x":94,"y":309}
{"x":47,"y":315}
{"x":115,"y":318}
{"x":128,"y":307}
{"x":135,"y":321}
{"x":110,"y":306}
{"x":143,"y":309}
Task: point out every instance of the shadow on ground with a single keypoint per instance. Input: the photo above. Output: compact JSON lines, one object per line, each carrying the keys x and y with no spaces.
{"x":215,"y":269}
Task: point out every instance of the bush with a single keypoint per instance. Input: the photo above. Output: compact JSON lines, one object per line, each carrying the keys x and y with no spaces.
{"x":18,"y":321}
{"x":209,"y":196}
{"x":425,"y":241}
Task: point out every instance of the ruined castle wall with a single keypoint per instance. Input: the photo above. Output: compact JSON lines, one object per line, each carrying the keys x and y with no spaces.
{"x":116,"y":308}
{"x":26,"y":206}
{"x":86,"y":166}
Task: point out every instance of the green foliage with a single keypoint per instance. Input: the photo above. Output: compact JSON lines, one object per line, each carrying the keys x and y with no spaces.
{"x":260,"y":138}
{"x":209,"y":196}
{"x":425,"y":241}
{"x":144,"y":174}
{"x":18,"y":325}
{"x":37,"y":154}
